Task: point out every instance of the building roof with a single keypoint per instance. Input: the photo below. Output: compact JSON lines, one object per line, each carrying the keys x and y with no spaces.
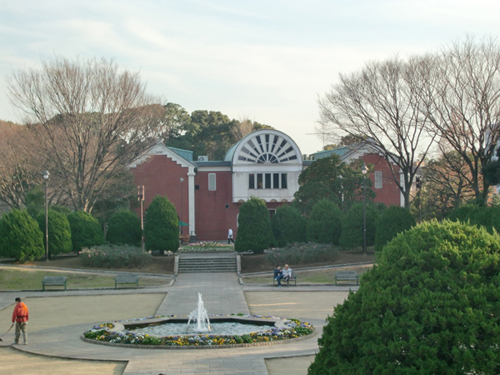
{"x":186,"y":154}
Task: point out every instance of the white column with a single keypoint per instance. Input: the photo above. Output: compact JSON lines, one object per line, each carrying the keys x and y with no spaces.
{"x":402,"y":184}
{"x":191,"y":175}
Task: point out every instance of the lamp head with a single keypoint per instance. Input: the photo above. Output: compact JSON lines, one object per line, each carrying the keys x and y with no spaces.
{"x":181,"y":180}
{"x":364,"y":169}
{"x":45,"y":175}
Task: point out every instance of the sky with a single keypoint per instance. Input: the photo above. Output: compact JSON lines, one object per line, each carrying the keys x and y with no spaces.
{"x":268,"y":61}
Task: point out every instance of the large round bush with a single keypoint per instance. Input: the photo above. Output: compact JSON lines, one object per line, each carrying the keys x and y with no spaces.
{"x":288,"y":226}
{"x":254,"y":229}
{"x":394,"y":220}
{"x":124,"y":228}
{"x":59,"y":232}
{"x":353,"y":226}
{"x":431,"y":306}
{"x":20,"y":237}
{"x":85,"y":230}
{"x":325,"y":223}
{"x":161,"y":228}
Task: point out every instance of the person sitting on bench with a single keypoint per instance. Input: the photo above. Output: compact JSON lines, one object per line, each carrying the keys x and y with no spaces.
{"x":286,"y":274}
{"x":278,"y":275}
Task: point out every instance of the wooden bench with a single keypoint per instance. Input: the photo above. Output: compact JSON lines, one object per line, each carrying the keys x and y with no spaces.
{"x":293,"y":279}
{"x":54,"y":281}
{"x":346,"y":275}
{"x":126,"y":279}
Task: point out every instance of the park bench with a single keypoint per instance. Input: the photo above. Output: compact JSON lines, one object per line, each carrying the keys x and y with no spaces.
{"x":54,"y":281}
{"x":346,"y":275}
{"x":126,"y":279}
{"x":293,"y":279}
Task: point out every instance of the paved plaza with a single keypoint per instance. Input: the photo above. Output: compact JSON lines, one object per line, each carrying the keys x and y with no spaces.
{"x":58,"y":318}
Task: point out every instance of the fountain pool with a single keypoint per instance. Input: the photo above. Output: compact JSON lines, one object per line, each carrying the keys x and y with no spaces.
{"x":199,"y":329}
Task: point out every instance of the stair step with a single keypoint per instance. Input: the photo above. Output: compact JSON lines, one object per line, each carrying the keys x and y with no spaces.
{"x":209,"y":264}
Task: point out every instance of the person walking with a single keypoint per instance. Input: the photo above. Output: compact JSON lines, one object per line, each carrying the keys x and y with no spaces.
{"x":230,"y":236}
{"x":20,"y":318}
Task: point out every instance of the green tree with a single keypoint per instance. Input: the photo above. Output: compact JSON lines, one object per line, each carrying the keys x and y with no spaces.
{"x":325,"y":223}
{"x":124,"y":227}
{"x":35,"y":201}
{"x":254,"y":227}
{"x":118,"y":195}
{"x":330,"y":178}
{"x":480,"y":215}
{"x":161,"y":229}
{"x":85,"y":230}
{"x":394,"y":220}
{"x":177,"y":123}
{"x":20,"y":236}
{"x":430,"y":306}
{"x":207,"y":133}
{"x":288,"y":226}
{"x":353,"y":226}
{"x":59,"y":232}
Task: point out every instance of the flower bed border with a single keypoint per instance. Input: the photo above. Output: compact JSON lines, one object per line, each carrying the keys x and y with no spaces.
{"x":280,"y":324}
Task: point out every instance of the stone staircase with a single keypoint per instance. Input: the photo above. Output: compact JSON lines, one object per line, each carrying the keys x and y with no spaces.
{"x":206,"y":263}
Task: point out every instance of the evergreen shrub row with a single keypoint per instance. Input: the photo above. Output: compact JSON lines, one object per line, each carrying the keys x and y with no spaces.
{"x":301,"y":253}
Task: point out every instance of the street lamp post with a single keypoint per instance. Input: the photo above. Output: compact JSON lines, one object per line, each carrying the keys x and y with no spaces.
{"x":140,"y":198}
{"x":180,"y":215}
{"x":46,"y":175}
{"x":364,"y":170}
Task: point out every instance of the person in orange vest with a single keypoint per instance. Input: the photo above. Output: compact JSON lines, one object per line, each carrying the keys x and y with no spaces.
{"x":20,"y":317}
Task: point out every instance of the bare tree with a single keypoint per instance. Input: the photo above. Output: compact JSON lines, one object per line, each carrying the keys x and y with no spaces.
{"x":18,"y":174}
{"x":382,"y":104}
{"x":447,"y":182}
{"x":243,"y":127}
{"x":465,"y":108}
{"x":89,"y":117}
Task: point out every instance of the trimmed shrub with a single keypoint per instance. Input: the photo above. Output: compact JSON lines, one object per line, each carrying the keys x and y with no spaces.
{"x":325,"y":223}
{"x":301,"y":253}
{"x":20,"y":237}
{"x":59,"y":232}
{"x":430,"y":306}
{"x":124,"y":227}
{"x":254,"y":230}
{"x":394,"y":220}
{"x":485,"y":216}
{"x":113,"y":256}
{"x":85,"y":230}
{"x":288,"y":226}
{"x":352,"y":226}
{"x":161,"y":228}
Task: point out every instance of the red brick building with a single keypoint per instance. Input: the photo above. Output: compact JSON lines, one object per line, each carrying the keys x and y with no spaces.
{"x":208,"y":194}
{"x":265,"y":164}
{"x":383,"y":182}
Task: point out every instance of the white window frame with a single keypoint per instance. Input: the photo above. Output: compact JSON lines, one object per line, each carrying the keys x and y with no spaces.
{"x":378,"y":180}
{"x":212,"y":182}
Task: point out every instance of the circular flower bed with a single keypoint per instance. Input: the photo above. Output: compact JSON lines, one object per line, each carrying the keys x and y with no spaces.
{"x":280,"y":329}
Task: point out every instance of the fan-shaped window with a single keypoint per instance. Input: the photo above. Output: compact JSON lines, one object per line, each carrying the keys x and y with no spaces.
{"x":267,"y":149}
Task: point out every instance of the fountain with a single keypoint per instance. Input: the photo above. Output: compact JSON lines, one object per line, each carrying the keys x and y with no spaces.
{"x":172,"y":331}
{"x":199,"y":315}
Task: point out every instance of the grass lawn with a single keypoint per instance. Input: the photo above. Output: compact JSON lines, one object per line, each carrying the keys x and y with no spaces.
{"x":11,"y":279}
{"x":308,"y":277}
